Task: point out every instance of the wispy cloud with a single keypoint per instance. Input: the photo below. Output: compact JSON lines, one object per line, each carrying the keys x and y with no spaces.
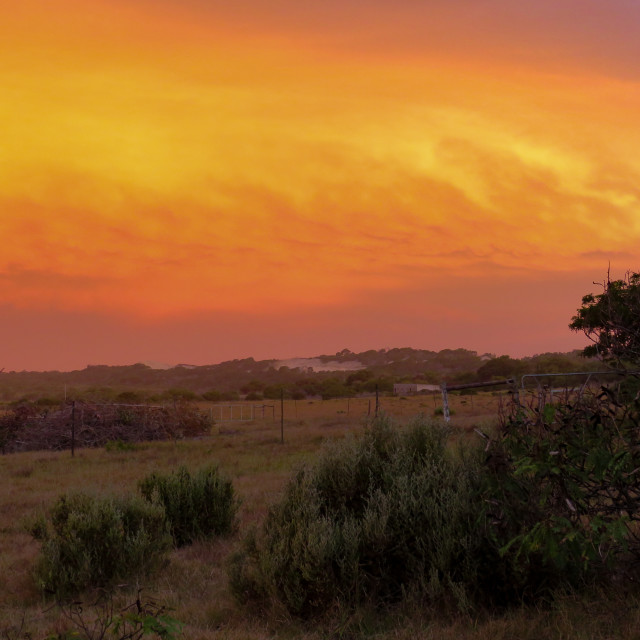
{"x":160,"y":159}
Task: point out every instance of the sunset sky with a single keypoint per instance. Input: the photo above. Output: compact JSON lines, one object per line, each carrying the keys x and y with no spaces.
{"x":196,"y":181}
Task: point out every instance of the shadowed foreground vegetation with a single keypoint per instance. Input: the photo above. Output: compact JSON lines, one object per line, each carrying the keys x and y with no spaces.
{"x":385,"y":532}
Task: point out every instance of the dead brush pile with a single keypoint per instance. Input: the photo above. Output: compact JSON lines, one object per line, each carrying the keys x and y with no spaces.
{"x":28,"y":427}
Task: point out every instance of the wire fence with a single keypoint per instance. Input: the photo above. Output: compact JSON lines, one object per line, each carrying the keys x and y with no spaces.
{"x":81,"y":424}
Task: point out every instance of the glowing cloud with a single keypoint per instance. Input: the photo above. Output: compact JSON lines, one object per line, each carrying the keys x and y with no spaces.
{"x":165,"y":159}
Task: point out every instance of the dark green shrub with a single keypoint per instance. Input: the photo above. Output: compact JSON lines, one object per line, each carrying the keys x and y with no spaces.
{"x":334,"y":388}
{"x":565,"y":489}
{"x":130,"y":397}
{"x":275,"y":392}
{"x":184,"y":395}
{"x":197,"y":506}
{"x":390,"y":515}
{"x":382,"y":385}
{"x":96,"y":542}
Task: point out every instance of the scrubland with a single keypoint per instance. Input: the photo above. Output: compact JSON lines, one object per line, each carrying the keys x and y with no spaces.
{"x":194,"y":582}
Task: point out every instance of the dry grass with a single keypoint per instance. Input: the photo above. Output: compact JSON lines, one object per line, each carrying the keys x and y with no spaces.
{"x":194,"y":582}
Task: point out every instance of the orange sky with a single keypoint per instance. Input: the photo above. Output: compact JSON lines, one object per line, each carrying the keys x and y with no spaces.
{"x":195,"y":181}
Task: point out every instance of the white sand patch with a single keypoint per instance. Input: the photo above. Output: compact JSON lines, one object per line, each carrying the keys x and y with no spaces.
{"x":157,"y":365}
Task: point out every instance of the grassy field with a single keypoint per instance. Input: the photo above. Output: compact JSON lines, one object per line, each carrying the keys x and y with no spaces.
{"x":252,"y":455}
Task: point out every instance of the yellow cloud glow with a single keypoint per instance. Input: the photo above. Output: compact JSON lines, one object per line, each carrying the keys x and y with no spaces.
{"x":154,"y":165}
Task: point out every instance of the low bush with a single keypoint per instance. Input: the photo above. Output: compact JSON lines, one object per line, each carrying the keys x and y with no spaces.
{"x":378,"y":519}
{"x":96,"y":542}
{"x":197,"y":506}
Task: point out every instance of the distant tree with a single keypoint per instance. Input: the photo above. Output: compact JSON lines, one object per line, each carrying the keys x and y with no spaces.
{"x":309,"y":386}
{"x":427,"y":377}
{"x":554,"y":363}
{"x":358,"y":376}
{"x":372,"y":357}
{"x":464,"y":377}
{"x":383,"y":385}
{"x":252,"y":385}
{"x":611,"y":320}
{"x":502,"y":367}
{"x":274,"y":391}
{"x":179,"y":394}
{"x":357,"y":380}
{"x":101,"y":394}
{"x":129,"y":397}
{"x":334,"y":388}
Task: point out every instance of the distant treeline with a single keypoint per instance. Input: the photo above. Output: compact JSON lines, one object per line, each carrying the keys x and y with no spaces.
{"x":254,"y":380}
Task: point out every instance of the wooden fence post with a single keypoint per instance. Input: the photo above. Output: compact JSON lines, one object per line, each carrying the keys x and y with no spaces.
{"x":445,"y":402}
{"x":281,"y":416}
{"x":377,"y":402}
{"x":73,"y":429}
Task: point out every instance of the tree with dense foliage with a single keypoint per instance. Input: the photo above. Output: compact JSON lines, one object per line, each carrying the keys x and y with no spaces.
{"x":611,"y":320}
{"x":565,"y":491}
{"x":502,"y":367}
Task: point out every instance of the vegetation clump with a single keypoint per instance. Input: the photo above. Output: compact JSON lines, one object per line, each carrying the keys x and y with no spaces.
{"x":611,"y":320}
{"x":197,"y":506}
{"x":96,"y":542}
{"x":378,"y":519}
{"x":92,"y":542}
{"x":565,"y":490}
{"x":564,"y":476}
